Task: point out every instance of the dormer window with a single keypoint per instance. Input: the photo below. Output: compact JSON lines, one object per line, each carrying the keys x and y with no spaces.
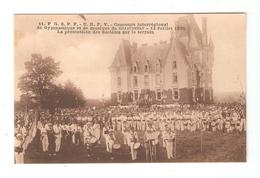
{"x":146,"y":68}
{"x":135,"y":69}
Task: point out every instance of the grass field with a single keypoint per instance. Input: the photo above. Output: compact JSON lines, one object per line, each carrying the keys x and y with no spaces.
{"x":191,"y":147}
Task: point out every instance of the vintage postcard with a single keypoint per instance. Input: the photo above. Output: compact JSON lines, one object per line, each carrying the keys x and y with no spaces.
{"x":129,"y":88}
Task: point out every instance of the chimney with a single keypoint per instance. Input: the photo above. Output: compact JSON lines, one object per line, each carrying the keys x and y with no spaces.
{"x":204,"y":31}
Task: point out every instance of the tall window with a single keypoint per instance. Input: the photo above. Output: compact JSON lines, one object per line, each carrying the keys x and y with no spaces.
{"x":118,"y":82}
{"x":175,"y":94}
{"x":135,"y":81}
{"x":146,"y":80}
{"x":174,"y":78}
{"x":135,"y":69}
{"x":158,"y":67}
{"x":136,"y":94}
{"x":174,"y":64}
{"x":158,"y":79}
{"x":159,"y":94}
{"x":146,"y":68}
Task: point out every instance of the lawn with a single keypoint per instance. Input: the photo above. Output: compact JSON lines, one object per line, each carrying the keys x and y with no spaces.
{"x":191,"y":147}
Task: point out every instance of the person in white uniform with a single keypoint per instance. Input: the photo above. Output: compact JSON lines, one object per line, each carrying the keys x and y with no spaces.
{"x":109,"y":138}
{"x":132,"y":138}
{"x":18,"y":149}
{"x":124,"y":132}
{"x":58,"y":135}
{"x":44,"y":138}
{"x":97,"y":130}
{"x":168,"y":136}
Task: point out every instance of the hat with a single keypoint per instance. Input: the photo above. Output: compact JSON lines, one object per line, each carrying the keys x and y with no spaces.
{"x":19,"y":135}
{"x":89,"y":123}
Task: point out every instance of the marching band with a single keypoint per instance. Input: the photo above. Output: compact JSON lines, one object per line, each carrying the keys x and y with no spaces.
{"x":138,"y":130}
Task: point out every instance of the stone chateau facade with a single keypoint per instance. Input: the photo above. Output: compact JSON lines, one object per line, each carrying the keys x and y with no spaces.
{"x":179,"y":70}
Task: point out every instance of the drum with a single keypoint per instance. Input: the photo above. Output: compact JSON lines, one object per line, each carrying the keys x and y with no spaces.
{"x":155,"y":142}
{"x":93,"y":140}
{"x":116,"y":146}
{"x":137,"y":145}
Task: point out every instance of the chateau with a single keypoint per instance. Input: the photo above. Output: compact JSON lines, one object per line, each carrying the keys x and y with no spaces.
{"x":179,"y":70}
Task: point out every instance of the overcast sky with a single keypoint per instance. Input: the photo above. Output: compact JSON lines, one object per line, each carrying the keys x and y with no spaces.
{"x":85,"y":58}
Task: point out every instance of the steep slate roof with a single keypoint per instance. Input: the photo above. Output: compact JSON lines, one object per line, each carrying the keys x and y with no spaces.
{"x":184,"y":50}
{"x":150,"y":55}
{"x":123,"y":55}
{"x":128,"y":55}
{"x":195,"y":28}
{"x":192,"y":27}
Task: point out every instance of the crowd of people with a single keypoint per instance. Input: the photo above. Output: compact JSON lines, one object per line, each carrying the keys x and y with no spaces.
{"x":24,"y":132}
{"x":141,"y":128}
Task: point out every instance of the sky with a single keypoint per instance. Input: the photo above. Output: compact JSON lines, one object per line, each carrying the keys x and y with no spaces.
{"x":85,"y":58}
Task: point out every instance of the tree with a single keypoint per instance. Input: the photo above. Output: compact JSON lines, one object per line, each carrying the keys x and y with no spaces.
{"x":72,"y":96}
{"x":38,"y":79}
{"x":63,"y":96}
